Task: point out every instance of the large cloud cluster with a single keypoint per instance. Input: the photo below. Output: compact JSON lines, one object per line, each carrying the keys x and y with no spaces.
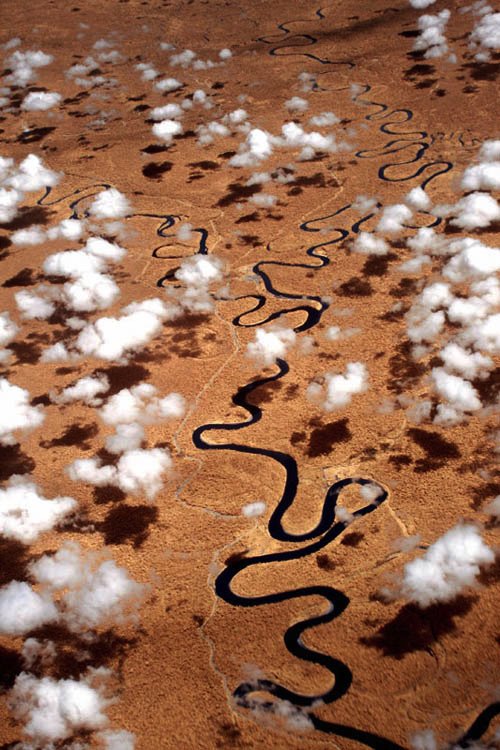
{"x":138,"y":470}
{"x":455,"y":317}
{"x":82,"y":590}
{"x":432,"y":40}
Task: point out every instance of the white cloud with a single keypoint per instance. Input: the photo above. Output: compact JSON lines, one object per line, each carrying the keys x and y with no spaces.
{"x":53,"y":711}
{"x":263,"y":200}
{"x":297,"y":104}
{"x":16,"y":414}
{"x":24,"y":64}
{"x":110,"y":204}
{"x":485,"y":36}
{"x":92,"y":591}
{"x":32,"y":175}
{"x":72,"y":264}
{"x":471,"y":212}
{"x":168,"y":84}
{"x":35,"y":306}
{"x":324,"y":120}
{"x":470,"y":365}
{"x":141,"y":404}
{"x":338,"y":390}
{"x":9,"y":202}
{"x":8,"y":329}
{"x":431,"y":37}
{"x":117,"y":338}
{"x":418,"y":199}
{"x":392,"y":219}
{"x":40,"y":101}
{"x":167,"y":129}
{"x":257,"y":147}
{"x":449,"y":566}
{"x":459,"y":393}
{"x":368,"y":243}
{"x":31,"y":236}
{"x":22,"y":609}
{"x":25,"y":513}
{"x":86,"y":389}
{"x":253,"y":510}
{"x":138,"y":471}
{"x":420,"y":4}
{"x":199,"y":270}
{"x":473,"y":261}
{"x":225,"y":54}
{"x":268,"y":346}
{"x":169,"y":111}
{"x":89,"y":292}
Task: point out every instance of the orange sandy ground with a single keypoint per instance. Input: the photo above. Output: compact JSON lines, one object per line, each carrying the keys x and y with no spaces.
{"x":412,"y":669}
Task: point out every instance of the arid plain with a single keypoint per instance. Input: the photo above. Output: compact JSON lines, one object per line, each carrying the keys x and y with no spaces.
{"x":401,"y":121}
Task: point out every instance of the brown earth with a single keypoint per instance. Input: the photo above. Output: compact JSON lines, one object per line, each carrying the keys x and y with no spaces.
{"x":412,"y":669}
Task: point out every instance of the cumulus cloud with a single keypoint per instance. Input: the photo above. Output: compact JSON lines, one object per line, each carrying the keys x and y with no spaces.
{"x":337,"y":390}
{"x":87,"y":389}
{"x":169,"y":111}
{"x":418,"y":199}
{"x":24,"y":64}
{"x":117,"y":338}
{"x":460,"y":396}
{"x":449,"y":566}
{"x":432,"y":39}
{"x":324,"y":120}
{"x":297,"y":104}
{"x":257,"y":147}
{"x":392,"y":218}
{"x":16,"y":413}
{"x":470,"y":365}
{"x":474,"y":211}
{"x":485,"y":36}
{"x":8,"y":329}
{"x":91,"y":291}
{"x":486,"y":174}
{"x":93,"y":592}
{"x":22,"y":609}
{"x":141,"y":404}
{"x":30,"y":176}
{"x":473,"y":261}
{"x":367,"y":243}
{"x":137,"y":472}
{"x":40,"y":101}
{"x":197,"y":274}
{"x":268,"y":346}
{"x":168,"y":84}
{"x":167,"y":129}
{"x":54,"y":710}
{"x":36,"y":305}
{"x":254,"y":510}
{"x":72,"y":264}
{"x":25,"y":513}
{"x":420,"y":4}
{"x":110,"y":204}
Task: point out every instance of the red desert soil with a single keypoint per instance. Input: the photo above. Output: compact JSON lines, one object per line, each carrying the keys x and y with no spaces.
{"x":177,"y":672}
